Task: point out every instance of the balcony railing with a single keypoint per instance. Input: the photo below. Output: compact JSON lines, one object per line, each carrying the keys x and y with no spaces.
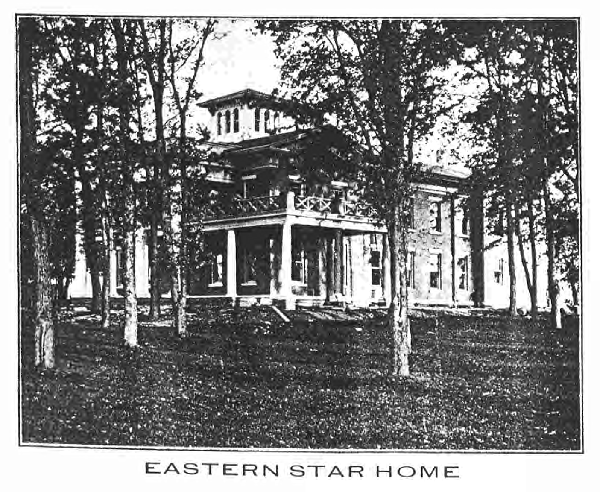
{"x":259,"y":204}
{"x":311,"y":204}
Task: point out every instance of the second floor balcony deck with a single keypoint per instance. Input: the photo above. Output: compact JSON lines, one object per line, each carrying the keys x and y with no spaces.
{"x":290,"y":202}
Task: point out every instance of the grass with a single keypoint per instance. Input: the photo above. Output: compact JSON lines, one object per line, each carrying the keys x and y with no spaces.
{"x":247,"y":380}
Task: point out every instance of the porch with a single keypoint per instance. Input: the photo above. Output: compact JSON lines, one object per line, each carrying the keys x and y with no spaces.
{"x":290,"y":262}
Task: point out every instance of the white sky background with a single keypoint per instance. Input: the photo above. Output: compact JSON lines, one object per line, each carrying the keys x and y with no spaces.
{"x":240,"y":60}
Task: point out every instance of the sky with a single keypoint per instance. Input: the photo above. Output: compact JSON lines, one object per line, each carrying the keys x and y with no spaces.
{"x":240,"y":60}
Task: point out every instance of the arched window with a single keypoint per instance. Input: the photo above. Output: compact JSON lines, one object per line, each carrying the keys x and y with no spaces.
{"x":267,"y":120}
{"x":257,"y":120}
{"x":236,"y":120}
{"x":219,"y":123}
{"x":227,"y":121}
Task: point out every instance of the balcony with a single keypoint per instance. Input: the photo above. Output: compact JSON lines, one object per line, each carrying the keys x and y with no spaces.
{"x":310,"y":204}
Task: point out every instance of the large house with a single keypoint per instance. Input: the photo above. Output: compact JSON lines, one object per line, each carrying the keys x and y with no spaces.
{"x":276,"y":237}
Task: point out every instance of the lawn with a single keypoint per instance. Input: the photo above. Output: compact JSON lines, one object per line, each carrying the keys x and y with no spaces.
{"x":247,"y":380}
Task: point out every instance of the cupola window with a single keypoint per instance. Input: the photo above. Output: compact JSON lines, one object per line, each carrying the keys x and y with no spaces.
{"x":227,"y":121}
{"x":236,"y":120}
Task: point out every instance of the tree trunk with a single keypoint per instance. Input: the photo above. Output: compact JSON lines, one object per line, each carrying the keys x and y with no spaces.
{"x":106,"y":273}
{"x":128,"y":221}
{"x":153,"y":266}
{"x":104,"y":186}
{"x":157,"y":84}
{"x":531,"y":287}
{"x":130,"y":327}
{"x":44,"y":326}
{"x":574,"y":292}
{"x":398,"y":309}
{"x":555,"y":314}
{"x":512,"y":279}
{"x":32,"y":175}
{"x":534,"y":260}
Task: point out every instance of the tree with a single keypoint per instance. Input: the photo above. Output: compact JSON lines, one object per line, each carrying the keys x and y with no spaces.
{"x":154,"y":62}
{"x":556,"y":96}
{"x":32,"y":192}
{"x":491,"y":53}
{"x":378,"y":77}
{"x":527,"y":126}
{"x":178,"y":233}
{"x":124,"y":34}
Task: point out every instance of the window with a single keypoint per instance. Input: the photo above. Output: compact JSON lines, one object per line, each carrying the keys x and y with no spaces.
{"x":216,"y":270}
{"x":499,"y":272}
{"x":299,"y":261}
{"x":298,"y":187}
{"x":376,"y":270}
{"x":410,"y":269}
{"x":254,"y":187}
{"x":462,"y":219}
{"x":275,"y":120}
{"x":227,"y":121}
{"x":411,"y":213}
{"x":435,"y":270}
{"x":464,"y":223}
{"x":267,"y":122}
{"x":498,"y":228}
{"x":463,"y":273}
{"x":236,"y":120}
{"x":248,"y":265}
{"x":219,"y":123}
{"x":257,"y":120}
{"x":435,"y":217}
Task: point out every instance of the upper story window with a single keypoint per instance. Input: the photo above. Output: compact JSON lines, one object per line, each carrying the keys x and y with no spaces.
{"x":435,"y":216}
{"x":410,"y":213}
{"x":410,"y":269}
{"x":463,"y":273}
{"x":498,"y":228}
{"x":219,"y":123}
{"x":236,"y":120}
{"x":435,"y":270}
{"x":227,"y":121}
{"x":464,"y":223}
{"x":267,"y":122}
{"x":257,"y":120}
{"x":499,"y":272}
{"x":462,"y":219}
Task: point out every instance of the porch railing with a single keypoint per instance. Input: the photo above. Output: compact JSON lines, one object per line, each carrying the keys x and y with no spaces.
{"x":358,"y":209}
{"x":239,"y":206}
{"x":312,"y":203}
{"x":259,"y":204}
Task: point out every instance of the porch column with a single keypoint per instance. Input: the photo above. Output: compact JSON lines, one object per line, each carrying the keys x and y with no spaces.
{"x":113,"y":274}
{"x":231,"y":264}
{"x":387,"y":273}
{"x":330,"y":270}
{"x":285,"y":267}
{"x":338,"y":262}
